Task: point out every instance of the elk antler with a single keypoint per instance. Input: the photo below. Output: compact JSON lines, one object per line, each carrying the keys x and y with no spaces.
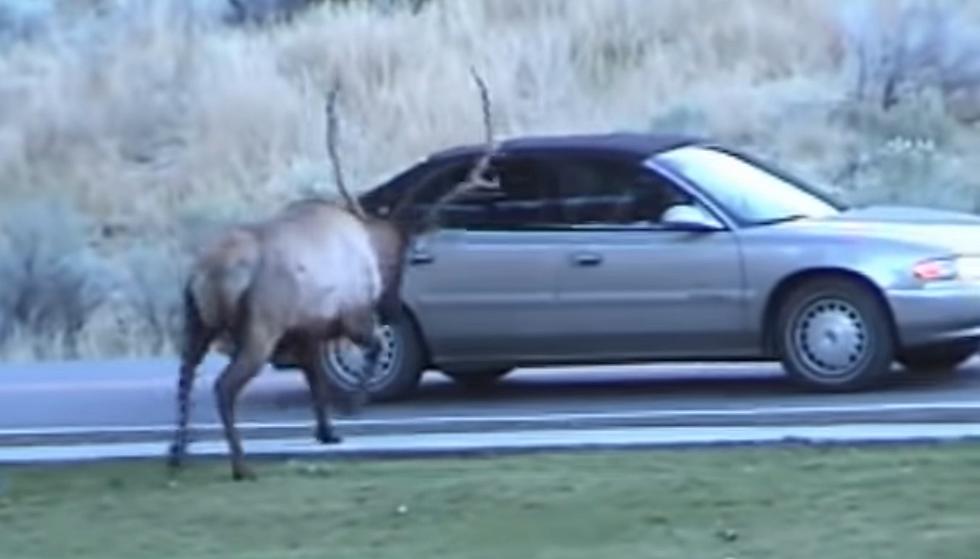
{"x":331,"y":113}
{"x":476,"y":173}
{"x":475,"y":178}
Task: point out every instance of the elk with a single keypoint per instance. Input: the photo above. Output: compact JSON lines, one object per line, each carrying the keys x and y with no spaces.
{"x":316,"y":271}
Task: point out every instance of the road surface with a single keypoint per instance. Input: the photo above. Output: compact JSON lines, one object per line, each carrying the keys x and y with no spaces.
{"x":133,"y":401}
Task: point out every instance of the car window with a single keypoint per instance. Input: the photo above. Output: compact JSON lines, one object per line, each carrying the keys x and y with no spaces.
{"x":524,"y":199}
{"x":409,"y":186}
{"x":752,"y":193}
{"x":604,"y":192}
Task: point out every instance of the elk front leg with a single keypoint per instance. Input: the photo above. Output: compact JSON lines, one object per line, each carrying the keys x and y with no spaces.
{"x":360,"y":329}
{"x":316,"y":378}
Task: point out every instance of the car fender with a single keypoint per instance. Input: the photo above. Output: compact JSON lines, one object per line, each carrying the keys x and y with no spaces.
{"x":774,"y":265}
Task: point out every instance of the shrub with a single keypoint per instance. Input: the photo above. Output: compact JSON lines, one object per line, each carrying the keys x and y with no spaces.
{"x":21,"y":20}
{"x":895,"y":49}
{"x":155,"y":276}
{"x":161,"y":131}
{"x":52,"y":281}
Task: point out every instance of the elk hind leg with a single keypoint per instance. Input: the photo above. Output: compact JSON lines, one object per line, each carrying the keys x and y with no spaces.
{"x":252,"y":351}
{"x":197,"y":339}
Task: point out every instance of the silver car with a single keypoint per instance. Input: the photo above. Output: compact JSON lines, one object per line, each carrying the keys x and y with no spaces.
{"x":621,"y":248}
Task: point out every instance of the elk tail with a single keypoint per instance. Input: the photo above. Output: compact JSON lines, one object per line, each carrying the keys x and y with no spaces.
{"x":331,"y":140}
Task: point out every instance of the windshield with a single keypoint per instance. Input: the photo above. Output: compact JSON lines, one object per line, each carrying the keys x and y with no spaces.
{"x":751,"y":193}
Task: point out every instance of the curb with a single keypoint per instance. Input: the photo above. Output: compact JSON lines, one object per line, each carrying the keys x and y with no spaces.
{"x":451,"y":444}
{"x":916,"y":413}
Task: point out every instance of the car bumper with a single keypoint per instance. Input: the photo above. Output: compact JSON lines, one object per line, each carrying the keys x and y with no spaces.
{"x":925,"y":316}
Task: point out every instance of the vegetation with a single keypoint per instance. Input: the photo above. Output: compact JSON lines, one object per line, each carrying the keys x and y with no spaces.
{"x":133,"y":131}
{"x":897,"y":503}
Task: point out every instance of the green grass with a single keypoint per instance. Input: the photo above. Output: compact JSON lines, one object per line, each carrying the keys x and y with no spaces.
{"x":799,"y":503}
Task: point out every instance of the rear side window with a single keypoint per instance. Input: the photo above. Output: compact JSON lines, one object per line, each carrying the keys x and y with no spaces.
{"x":598,"y":191}
{"x":525,"y":199}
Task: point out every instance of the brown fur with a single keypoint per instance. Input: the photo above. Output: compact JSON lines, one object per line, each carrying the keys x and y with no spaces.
{"x":258,"y":291}
{"x":277,"y":290}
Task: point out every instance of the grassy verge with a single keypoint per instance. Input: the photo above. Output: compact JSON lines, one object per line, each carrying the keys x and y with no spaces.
{"x":802,"y":503}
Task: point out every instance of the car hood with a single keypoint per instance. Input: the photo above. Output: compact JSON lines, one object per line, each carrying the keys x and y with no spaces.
{"x":906,"y":215}
{"x":954,"y":231}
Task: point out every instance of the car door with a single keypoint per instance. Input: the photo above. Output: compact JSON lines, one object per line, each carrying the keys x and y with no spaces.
{"x":631,"y":287}
{"x":483,"y":283}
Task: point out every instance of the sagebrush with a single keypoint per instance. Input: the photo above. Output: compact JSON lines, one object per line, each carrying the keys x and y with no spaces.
{"x":148,"y":124}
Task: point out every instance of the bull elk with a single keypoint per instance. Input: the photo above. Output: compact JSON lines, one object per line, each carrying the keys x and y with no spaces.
{"x":316,"y":271}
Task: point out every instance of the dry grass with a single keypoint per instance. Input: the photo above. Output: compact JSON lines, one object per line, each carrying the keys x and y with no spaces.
{"x":154,"y":128}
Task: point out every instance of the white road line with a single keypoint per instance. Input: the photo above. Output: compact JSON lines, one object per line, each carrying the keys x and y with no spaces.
{"x":78,"y":382}
{"x":446,"y":443}
{"x":526,"y":419}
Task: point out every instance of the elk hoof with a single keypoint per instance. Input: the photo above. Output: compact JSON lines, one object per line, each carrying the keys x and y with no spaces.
{"x":175,"y":459}
{"x":325,"y":434}
{"x":329,"y":437}
{"x":243,"y":473}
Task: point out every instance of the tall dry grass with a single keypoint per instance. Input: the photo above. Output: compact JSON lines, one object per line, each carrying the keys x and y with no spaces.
{"x":156,"y":123}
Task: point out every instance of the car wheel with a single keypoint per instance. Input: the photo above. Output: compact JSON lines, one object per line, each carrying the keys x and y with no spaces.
{"x":477,"y":380}
{"x":400,"y":362}
{"x":944,"y":357}
{"x":835,"y":335}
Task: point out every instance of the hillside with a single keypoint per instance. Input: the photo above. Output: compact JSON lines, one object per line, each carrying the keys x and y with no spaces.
{"x":123,"y":137}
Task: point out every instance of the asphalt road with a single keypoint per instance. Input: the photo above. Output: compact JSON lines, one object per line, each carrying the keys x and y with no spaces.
{"x":134,"y":401}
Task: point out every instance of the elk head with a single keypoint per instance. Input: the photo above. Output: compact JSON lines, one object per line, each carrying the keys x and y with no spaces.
{"x":393,"y":234}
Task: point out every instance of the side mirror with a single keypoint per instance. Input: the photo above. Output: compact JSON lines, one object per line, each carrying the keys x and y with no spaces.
{"x":690,"y":218}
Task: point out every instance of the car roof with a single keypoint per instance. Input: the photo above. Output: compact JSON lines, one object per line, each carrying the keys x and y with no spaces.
{"x":628,"y":144}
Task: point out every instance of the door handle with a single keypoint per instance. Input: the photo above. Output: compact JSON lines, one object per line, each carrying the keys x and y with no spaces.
{"x":420,"y":257}
{"x":587,"y":259}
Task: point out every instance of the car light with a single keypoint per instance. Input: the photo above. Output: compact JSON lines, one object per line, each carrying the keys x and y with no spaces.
{"x":966,"y":268}
{"x":936,"y":270}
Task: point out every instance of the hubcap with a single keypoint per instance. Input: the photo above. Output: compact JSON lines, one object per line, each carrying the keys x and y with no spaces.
{"x":346,"y":360}
{"x":831,"y":337}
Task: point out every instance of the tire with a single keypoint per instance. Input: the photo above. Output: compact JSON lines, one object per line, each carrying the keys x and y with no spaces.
{"x":478,"y":380}
{"x":401,"y":362}
{"x":939,"y":358}
{"x":834,"y":335}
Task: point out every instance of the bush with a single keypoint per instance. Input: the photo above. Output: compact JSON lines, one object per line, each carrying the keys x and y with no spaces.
{"x":153,"y":290}
{"x":21,"y":20}
{"x":895,"y":49}
{"x":161,"y":131}
{"x":52,"y":281}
